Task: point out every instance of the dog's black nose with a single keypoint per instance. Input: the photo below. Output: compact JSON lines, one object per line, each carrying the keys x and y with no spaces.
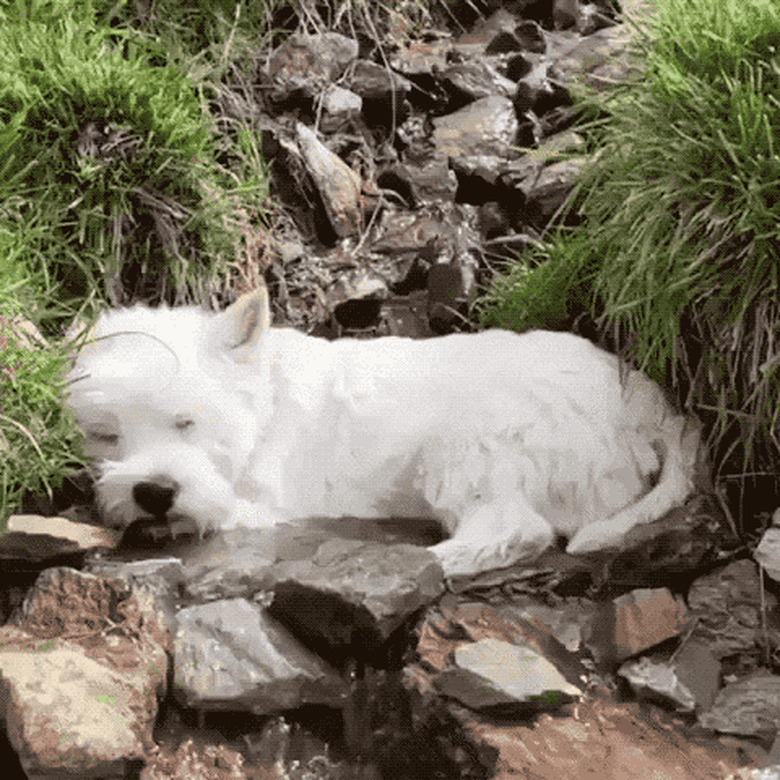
{"x":155,"y":498}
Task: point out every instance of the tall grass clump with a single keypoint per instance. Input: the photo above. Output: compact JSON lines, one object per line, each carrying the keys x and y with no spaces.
{"x":104,"y":152}
{"x":39,"y":441}
{"x":676,"y":254}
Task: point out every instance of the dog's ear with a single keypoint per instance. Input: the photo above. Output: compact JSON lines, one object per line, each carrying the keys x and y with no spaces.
{"x":242,"y":324}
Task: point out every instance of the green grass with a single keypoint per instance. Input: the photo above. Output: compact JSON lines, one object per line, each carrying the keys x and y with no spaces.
{"x":108,"y":171}
{"x":679,"y":240}
{"x":39,"y":442}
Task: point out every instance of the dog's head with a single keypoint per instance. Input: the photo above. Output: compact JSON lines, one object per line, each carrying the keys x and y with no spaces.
{"x":170,"y":402}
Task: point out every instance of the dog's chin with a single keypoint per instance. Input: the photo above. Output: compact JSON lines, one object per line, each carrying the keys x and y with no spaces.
{"x":153,"y":531}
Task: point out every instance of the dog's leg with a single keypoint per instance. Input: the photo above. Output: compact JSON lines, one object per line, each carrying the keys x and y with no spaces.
{"x":494,"y":535}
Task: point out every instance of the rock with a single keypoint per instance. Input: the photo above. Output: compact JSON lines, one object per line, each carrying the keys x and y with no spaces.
{"x":68,"y":602}
{"x":68,"y":535}
{"x":487,"y":126}
{"x":584,"y":17}
{"x":636,"y":621}
{"x":425,"y":184}
{"x":338,"y":105}
{"x":93,"y":683}
{"x":33,"y":542}
{"x":657,"y":680}
{"x":405,"y":316}
{"x":477,"y":79}
{"x":504,"y":675}
{"x":484,"y":31}
{"x":338,"y":185}
{"x":566,"y":13}
{"x":503,"y":43}
{"x":699,"y":671}
{"x":353,"y":595}
{"x":531,"y":37}
{"x":567,"y":619}
{"x":611,"y":741}
{"x":197,"y":762}
{"x":449,"y":626}
{"x":231,"y":564}
{"x":230,"y":655}
{"x":597,"y":61}
{"x":750,"y":706}
{"x":406,"y":231}
{"x":730,"y":609}
{"x":69,"y":715}
{"x":447,"y":295}
{"x":310,"y":62}
{"x":373,"y":81}
{"x":421,"y":58}
{"x":551,"y":189}
{"x":534,"y":90}
{"x":689,"y":539}
{"x":155,"y":583}
{"x":689,"y":681}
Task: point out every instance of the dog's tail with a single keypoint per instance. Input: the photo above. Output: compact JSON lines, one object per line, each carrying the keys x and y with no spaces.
{"x":679,"y":447}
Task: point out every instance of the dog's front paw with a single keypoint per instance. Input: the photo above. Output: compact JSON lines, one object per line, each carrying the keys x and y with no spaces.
{"x":462,"y":558}
{"x":457,"y":558}
{"x":251,"y":514}
{"x":592,"y":538}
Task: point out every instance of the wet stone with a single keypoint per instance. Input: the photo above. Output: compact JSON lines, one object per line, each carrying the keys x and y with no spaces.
{"x":353,"y":594}
{"x":598,"y":61}
{"x":230,"y":655}
{"x":411,"y":231}
{"x":551,"y":188}
{"x":534,"y":90}
{"x":231,"y":564}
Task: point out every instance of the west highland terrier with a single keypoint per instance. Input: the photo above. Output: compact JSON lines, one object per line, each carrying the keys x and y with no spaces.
{"x":505,"y":439}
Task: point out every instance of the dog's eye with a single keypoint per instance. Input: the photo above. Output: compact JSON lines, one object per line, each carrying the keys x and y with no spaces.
{"x":184,"y":423}
{"x":104,"y":438}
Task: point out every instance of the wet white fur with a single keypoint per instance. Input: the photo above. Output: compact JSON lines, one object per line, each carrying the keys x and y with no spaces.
{"x":505,"y":439}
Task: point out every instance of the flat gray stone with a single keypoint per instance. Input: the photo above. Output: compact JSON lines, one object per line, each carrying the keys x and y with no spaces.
{"x":355,"y":593}
{"x":230,"y":655}
{"x":501,"y":674}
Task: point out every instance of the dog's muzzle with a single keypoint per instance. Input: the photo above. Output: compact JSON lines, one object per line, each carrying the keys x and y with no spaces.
{"x":156,"y":498}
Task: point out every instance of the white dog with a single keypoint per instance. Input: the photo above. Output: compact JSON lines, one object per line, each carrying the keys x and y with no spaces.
{"x":505,"y":439}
